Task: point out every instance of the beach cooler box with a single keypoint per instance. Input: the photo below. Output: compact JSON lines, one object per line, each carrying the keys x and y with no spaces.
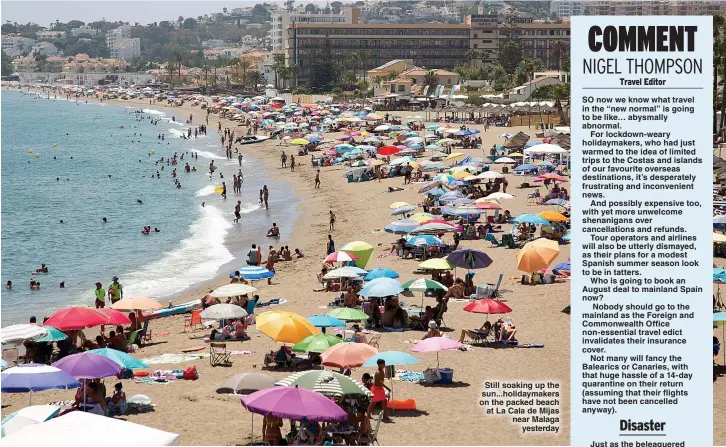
{"x":447,"y":376}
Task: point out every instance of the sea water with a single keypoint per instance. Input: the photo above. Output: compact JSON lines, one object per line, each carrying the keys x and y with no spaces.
{"x":98,"y":169}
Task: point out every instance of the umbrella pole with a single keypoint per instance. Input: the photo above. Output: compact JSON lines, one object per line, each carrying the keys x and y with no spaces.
{"x":437,"y":360}
{"x":252,"y":433}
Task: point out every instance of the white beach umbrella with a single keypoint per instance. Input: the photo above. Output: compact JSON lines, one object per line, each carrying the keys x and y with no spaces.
{"x":340,"y":273}
{"x":24,"y":417}
{"x":223,"y":312}
{"x":486,"y":175}
{"x":505,"y":160}
{"x":21,"y":332}
{"x":499,"y":196}
{"x":233,"y":290}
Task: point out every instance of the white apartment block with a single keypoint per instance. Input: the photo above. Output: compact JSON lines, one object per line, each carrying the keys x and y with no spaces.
{"x":16,"y":45}
{"x":84,"y":29}
{"x":128,"y":49}
{"x":44,"y":49}
{"x":50,"y":34}
{"x":281,"y":20}
{"x":121,"y":45}
{"x":566,"y":8}
{"x":115,"y":36}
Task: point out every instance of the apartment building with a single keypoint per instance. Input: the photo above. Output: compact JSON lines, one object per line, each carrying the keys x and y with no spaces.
{"x":549,"y":42}
{"x":282,"y":20}
{"x":16,"y":45}
{"x":84,"y":29}
{"x":654,"y":7}
{"x":566,"y":8}
{"x":115,"y":36}
{"x":47,"y":35}
{"x":430,"y":46}
{"x":121,"y":45}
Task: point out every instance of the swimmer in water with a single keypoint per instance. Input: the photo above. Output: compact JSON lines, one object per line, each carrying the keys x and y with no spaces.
{"x":9,"y":285}
{"x":61,"y":221}
{"x":62,"y":285}
{"x":139,"y":201}
{"x":104,"y":219}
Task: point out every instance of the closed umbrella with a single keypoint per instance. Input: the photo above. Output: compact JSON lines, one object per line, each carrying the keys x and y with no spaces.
{"x":537,"y":255}
{"x":121,"y":358}
{"x":348,"y":355}
{"x":318,"y":343}
{"x":294,"y":403}
{"x":436,"y":344}
{"x":380,"y":273}
{"x":327,"y":383}
{"x":381,"y":287}
{"x":223,"y":312}
{"x":285,"y":327}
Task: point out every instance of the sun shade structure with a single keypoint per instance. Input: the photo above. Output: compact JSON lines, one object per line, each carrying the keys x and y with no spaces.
{"x":35,"y":377}
{"x":537,"y":255}
{"x":318,"y":343}
{"x":21,"y":332}
{"x":436,"y":264}
{"x":341,"y":256}
{"x":381,"y":287}
{"x":246,"y":383}
{"x":436,"y":344}
{"x":294,"y":403}
{"x":327,"y":383}
{"x":114,"y":316}
{"x":75,"y":318}
{"x":326,"y":321}
{"x":487,"y":306}
{"x":233,"y":290}
{"x":348,"y":355}
{"x":123,"y":359}
{"x":361,"y":249}
{"x":469,"y":259}
{"x":223,"y":312}
{"x":285,"y":327}
{"x":24,"y":417}
{"x":87,"y":365}
{"x":53,"y":335}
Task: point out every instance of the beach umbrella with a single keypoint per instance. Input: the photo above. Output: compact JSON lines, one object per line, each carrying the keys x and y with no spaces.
{"x":423,"y":284}
{"x":552,"y":176}
{"x":299,"y":142}
{"x":436,"y":264}
{"x":348,"y":314}
{"x":567,"y":236}
{"x":361,"y":249}
{"x":380,"y":273}
{"x":246,"y":383}
{"x":502,"y":160}
{"x":223,"y":312}
{"x":537,"y":255}
{"x":444,"y":178}
{"x":22,"y":332}
{"x":429,"y":186}
{"x":31,"y":377}
{"x":451,"y":196}
{"x":381,"y":287}
{"x":348,"y":355}
{"x":461,"y":175}
{"x":130,"y":303}
{"x":324,"y":321}
{"x":327,"y":383}
{"x":463,"y":211}
{"x":403,"y":210}
{"x":392,"y":358}
{"x":505,"y":135}
{"x":372,"y":139}
{"x":525,"y":167}
{"x":236,"y":289}
{"x":75,"y":318}
{"x":563,"y":267}
{"x":422,"y":217}
{"x":487,"y":175}
{"x":438,"y":221}
{"x":254,"y":273}
{"x":285,"y":327}
{"x":553,"y":216}
{"x":530,"y":219}
{"x":487,"y":306}
{"x":433,"y":147}
{"x":381,"y":128}
{"x":123,"y":359}
{"x":516,"y":155}
{"x":401,"y":161}
{"x":424,"y":240}
{"x":358,"y":164}
{"x":114,"y":317}
{"x":446,"y":141}
{"x":27,"y":416}
{"x":545,"y":164}
{"x":343,"y":272}
{"x":86,"y":365}
{"x":396,"y":205}
{"x":499,"y":196}
{"x":488,"y":206}
{"x":79,"y":428}
{"x":560,"y":202}
{"x":340,"y":256}
{"x":469,"y":259}
{"x":318,"y":343}
{"x":436,"y":344}
{"x":294,"y":403}
{"x":403,"y":226}
{"x":462,"y":133}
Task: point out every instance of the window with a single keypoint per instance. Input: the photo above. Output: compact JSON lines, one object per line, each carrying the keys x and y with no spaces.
{"x":401,"y":88}
{"x":486,"y":41}
{"x":476,"y":46}
{"x":476,"y":36}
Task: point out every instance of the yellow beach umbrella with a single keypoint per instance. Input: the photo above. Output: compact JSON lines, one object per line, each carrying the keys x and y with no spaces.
{"x":436,"y":264}
{"x":285,"y":327}
{"x":377,"y":163}
{"x":537,"y":255}
{"x":414,"y":164}
{"x":422,"y":217}
{"x":399,"y":205}
{"x":299,"y":142}
{"x":461,"y":175}
{"x":455,"y":156}
{"x":365,"y":133}
{"x":553,"y":216}
{"x":361,"y":249}
{"x":515,"y":155}
{"x":136,"y":303}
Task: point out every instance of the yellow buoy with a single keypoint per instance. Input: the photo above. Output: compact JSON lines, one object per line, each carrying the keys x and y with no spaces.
{"x":37,"y":155}
{"x":30,"y":151}
{"x":153,"y":151}
{"x":137,"y":143}
{"x":54,"y":145}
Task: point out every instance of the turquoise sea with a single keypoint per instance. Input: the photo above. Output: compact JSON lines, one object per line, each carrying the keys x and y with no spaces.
{"x":98,"y":170}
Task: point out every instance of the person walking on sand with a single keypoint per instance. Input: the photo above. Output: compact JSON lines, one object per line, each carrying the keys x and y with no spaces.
{"x":270,"y":265}
{"x":237,"y":210}
{"x":332,"y":221}
{"x":317,"y":179}
{"x":331,"y":245}
{"x":292,"y":163}
{"x":265,"y":196}
{"x":239,"y":159}
{"x":283,"y":159}
{"x":379,"y":391}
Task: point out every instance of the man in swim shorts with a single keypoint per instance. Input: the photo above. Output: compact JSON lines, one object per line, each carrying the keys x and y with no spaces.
{"x":379,"y":391}
{"x":237,"y":210}
{"x":100,"y":296}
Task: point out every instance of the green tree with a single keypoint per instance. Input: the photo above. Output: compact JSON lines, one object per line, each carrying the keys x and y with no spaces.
{"x":234,"y":68}
{"x":278,"y":65}
{"x":472,"y":55}
{"x":336,"y":6}
{"x":430,"y":79}
{"x":510,"y":48}
{"x":244,"y":65}
{"x":189,"y":23}
{"x":559,"y":51}
{"x":7,"y":65}
{"x":9,"y":28}
{"x":323,"y":73}
{"x":294,"y":72}
{"x":475,"y":100}
{"x":256,"y":78}
{"x":556,"y":93}
{"x":312,"y":8}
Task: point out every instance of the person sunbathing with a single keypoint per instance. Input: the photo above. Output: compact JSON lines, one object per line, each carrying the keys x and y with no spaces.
{"x":350,"y":299}
{"x":483,"y":331}
{"x":433,"y":331}
{"x":457,"y":290}
{"x":507,"y":331}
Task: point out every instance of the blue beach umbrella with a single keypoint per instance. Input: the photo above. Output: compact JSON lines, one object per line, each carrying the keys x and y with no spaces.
{"x":462,"y":133}
{"x":532,"y":143}
{"x":437,"y":192}
{"x":432,"y":127}
{"x":381,"y":273}
{"x":531,"y":219}
{"x":545,"y":164}
{"x":562,"y":267}
{"x":451,"y":196}
{"x":325,"y":321}
{"x":403,"y":226}
{"x":424,"y":240}
{"x":391,"y":358}
{"x":403,"y":210}
{"x":121,"y":358}
{"x":410,"y":134}
{"x":254,"y":273}
{"x":719,"y":275}
{"x":526,"y":167}
{"x":35,"y":377}
{"x":381,"y":287}
{"x":433,"y":147}
{"x":53,"y":335}
{"x":560,"y":202}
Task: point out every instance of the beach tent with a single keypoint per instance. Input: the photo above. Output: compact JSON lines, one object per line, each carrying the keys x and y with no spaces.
{"x":361,"y":249}
{"x":78,"y":428}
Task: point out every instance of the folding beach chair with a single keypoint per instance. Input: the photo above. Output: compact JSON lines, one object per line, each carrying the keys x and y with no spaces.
{"x":373,"y":438}
{"x":145,"y":333}
{"x":439,"y":319}
{"x":374,"y":340}
{"x":491,"y":238}
{"x":480,"y":337}
{"x":218,"y":354}
{"x":494,"y":293}
{"x":193,"y":321}
{"x":534,"y":197}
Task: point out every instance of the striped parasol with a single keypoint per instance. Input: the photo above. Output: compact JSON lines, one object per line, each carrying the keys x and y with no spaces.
{"x":327,"y":383}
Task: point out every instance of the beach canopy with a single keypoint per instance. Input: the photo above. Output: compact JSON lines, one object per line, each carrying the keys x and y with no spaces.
{"x":380,"y":273}
{"x":326,"y":321}
{"x":469,"y":259}
{"x":348,"y":355}
{"x":254,"y":273}
{"x":87,"y":365}
{"x":391,"y":358}
{"x":318,"y":343}
{"x":246,"y":383}
{"x":79,"y":428}
{"x":35,"y":377}
{"x":223,"y":312}
{"x":537,"y":255}
{"x":381,"y":287}
{"x":361,"y":249}
{"x":436,"y":264}
{"x":22,"y":332}
{"x":487,"y":306}
{"x":348,"y":314}
{"x":136,"y":303}
{"x":285,"y":327}
{"x":340,"y":256}
{"x":229,"y":290}
{"x":294,"y":403}
{"x":24,"y":417}
{"x":75,"y":318}
{"x":327,"y":383}
{"x":123,"y":359}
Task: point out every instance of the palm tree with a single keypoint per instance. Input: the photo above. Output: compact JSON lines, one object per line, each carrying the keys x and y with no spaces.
{"x":278,"y":65}
{"x":472,"y":55}
{"x":205,"y":73}
{"x":294,"y":71}
{"x":244,"y":65}
{"x":365,"y":55}
{"x":256,"y":78}
{"x":285,"y":74}
{"x":352,"y":60}
{"x":234,"y":65}
{"x":431,"y":79}
{"x":178,"y":61}
{"x":556,"y":93}
{"x":559,"y":49}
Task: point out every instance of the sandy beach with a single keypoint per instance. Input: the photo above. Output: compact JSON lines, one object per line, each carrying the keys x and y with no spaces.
{"x":446,"y":415}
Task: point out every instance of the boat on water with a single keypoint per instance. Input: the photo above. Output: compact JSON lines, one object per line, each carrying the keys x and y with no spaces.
{"x":251,"y":139}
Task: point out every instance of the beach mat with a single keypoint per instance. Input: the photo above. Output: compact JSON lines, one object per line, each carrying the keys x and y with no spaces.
{"x":272,"y":302}
{"x":165,"y":359}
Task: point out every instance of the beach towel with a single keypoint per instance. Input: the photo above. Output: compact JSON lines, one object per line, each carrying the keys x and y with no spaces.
{"x":241,"y":352}
{"x":273,"y":302}
{"x":409,"y":376}
{"x":395,"y":329}
{"x":166,"y":359}
{"x":151,"y":382}
{"x":63,"y":403}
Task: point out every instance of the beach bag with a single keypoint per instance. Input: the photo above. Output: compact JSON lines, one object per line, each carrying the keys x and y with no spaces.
{"x":190,"y":373}
{"x":431,"y":376}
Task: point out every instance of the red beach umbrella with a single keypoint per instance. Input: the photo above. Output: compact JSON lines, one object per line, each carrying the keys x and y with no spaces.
{"x":488,"y":206}
{"x":389,"y":150}
{"x":76,"y":318}
{"x":114,"y":316}
{"x":437,"y":221}
{"x":341,"y":256}
{"x":488,"y":306}
{"x":552,"y":176}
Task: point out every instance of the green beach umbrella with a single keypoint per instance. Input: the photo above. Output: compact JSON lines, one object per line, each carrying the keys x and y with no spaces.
{"x":348,"y":314}
{"x":121,"y":358}
{"x":361,"y":249}
{"x":423,"y":284}
{"x":327,"y":383}
{"x":53,"y":335}
{"x":317,"y":343}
